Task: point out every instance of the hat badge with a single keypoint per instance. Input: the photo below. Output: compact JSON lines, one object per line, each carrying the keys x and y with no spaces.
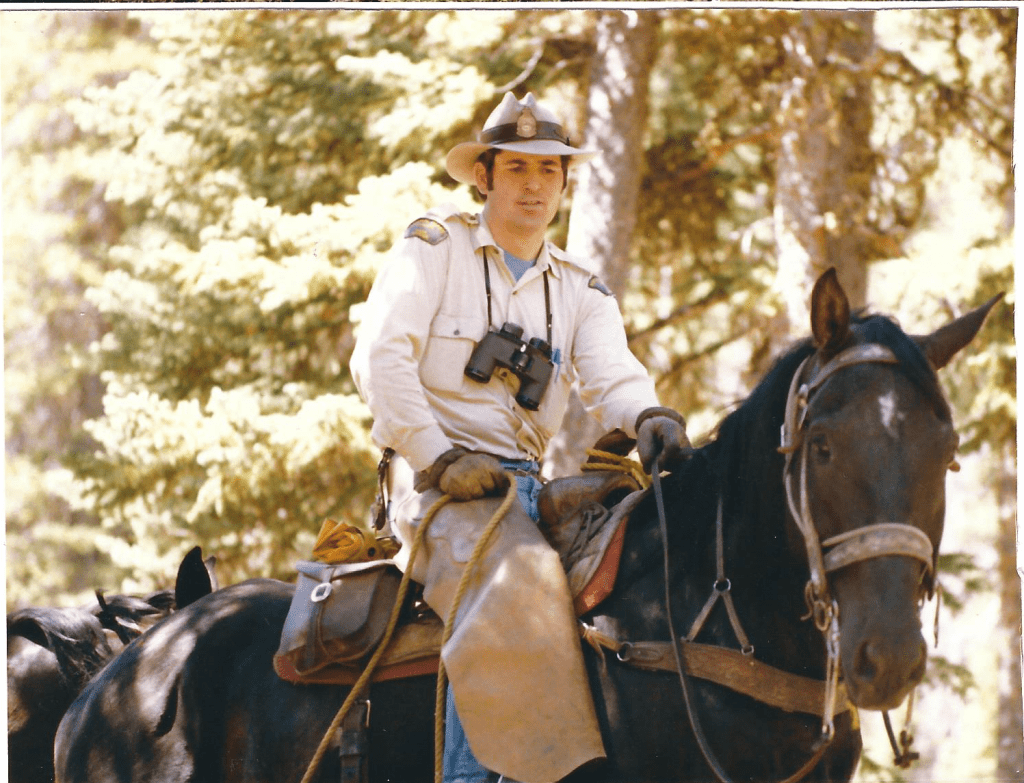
{"x":526,"y":125}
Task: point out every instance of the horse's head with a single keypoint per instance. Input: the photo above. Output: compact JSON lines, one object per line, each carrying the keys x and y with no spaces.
{"x":869,"y":438}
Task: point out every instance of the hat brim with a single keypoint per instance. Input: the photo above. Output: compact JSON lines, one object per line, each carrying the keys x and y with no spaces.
{"x":462,"y":157}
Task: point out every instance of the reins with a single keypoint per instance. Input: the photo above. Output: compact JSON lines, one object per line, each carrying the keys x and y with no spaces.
{"x":684,"y":680}
{"x":854,"y":546}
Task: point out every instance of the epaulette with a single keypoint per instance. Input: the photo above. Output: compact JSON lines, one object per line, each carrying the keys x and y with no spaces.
{"x":427,"y":229}
{"x":575,"y":261}
{"x":597,"y":285}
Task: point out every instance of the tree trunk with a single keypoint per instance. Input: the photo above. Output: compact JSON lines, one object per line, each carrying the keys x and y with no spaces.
{"x":825,"y":164}
{"x":1010,"y":738}
{"x":604,"y":201}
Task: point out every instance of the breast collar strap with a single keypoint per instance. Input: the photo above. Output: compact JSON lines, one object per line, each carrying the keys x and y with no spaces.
{"x":547,"y":297}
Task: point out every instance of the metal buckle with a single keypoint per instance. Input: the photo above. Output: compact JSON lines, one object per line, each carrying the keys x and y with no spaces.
{"x":321,"y":592}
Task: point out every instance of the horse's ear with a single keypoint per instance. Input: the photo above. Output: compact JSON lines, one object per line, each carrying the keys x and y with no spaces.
{"x":943,"y":344}
{"x":194,"y":579}
{"x":830,"y":314}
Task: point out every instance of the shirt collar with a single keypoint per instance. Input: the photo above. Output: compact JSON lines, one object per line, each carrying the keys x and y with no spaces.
{"x":481,"y":237}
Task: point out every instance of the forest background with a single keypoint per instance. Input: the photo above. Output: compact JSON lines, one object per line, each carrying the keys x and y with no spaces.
{"x":195,"y":205}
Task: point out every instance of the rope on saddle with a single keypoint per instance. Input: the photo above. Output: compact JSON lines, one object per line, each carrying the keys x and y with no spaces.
{"x":403,"y":589}
{"x":607,"y":460}
{"x":367,"y":673}
{"x":449,"y":624}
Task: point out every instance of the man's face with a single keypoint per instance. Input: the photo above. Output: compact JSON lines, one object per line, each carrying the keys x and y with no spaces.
{"x":526,"y":190}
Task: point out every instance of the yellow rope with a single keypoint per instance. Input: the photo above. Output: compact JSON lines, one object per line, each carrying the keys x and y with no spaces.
{"x":607,"y":460}
{"x":403,"y":588}
{"x":449,"y":625}
{"x":357,"y":688}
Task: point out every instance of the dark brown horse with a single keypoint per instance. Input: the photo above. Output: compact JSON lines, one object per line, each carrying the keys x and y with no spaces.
{"x":840,"y":519}
{"x":53,"y":652}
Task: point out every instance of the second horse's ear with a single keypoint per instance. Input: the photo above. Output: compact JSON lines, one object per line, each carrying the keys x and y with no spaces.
{"x":830,"y":314}
{"x":195,"y":579}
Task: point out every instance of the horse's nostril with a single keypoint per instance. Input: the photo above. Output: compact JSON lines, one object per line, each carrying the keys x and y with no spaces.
{"x":866,"y":661}
{"x":873,"y":664}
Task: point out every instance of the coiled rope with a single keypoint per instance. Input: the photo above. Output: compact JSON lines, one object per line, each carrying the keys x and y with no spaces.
{"x":607,"y":460}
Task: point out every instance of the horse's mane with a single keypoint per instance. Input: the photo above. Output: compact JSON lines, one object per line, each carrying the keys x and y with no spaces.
{"x":74,"y":636}
{"x":742,"y":461}
{"x":754,"y":425}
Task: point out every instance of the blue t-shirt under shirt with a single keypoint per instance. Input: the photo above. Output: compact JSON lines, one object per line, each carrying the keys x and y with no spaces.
{"x":516,"y":265}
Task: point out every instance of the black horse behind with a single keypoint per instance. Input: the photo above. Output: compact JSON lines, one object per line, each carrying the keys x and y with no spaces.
{"x":53,"y":652}
{"x":197,"y":698}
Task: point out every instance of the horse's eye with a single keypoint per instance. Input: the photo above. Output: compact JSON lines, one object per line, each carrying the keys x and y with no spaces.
{"x":820,"y":448}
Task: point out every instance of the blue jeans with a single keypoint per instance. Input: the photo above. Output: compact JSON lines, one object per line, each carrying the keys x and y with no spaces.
{"x":460,"y":765}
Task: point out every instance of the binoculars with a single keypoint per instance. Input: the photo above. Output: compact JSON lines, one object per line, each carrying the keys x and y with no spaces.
{"x":528,"y":361}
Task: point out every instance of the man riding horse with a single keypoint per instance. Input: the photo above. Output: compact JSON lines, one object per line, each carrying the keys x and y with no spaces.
{"x":475,"y":331}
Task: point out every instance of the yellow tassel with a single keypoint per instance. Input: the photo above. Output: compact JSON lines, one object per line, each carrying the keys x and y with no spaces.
{"x":340,"y":542}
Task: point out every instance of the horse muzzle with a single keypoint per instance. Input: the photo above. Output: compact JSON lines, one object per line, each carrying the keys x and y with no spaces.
{"x":882,"y":649}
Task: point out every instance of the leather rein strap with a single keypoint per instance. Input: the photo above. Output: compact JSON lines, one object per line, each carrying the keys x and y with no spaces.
{"x":677,"y":651}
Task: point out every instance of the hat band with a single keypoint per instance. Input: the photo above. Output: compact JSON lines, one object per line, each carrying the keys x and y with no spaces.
{"x":502,"y":134}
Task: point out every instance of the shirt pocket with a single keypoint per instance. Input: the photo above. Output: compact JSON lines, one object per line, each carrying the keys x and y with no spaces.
{"x":451,"y":342}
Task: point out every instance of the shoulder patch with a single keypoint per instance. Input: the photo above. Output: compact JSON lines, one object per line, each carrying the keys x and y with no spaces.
{"x":596,"y":284}
{"x":430,"y":231}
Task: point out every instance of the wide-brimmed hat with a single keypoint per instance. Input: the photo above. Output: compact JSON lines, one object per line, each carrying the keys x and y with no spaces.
{"x":525,"y":126}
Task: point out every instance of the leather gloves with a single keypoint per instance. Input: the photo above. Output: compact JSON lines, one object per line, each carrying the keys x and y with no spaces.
{"x":465,"y":475}
{"x":661,"y":432}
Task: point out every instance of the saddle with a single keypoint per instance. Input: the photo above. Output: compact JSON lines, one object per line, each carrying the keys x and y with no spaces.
{"x":582,"y":517}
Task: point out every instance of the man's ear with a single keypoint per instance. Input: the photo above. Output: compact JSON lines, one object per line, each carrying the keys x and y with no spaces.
{"x":480,"y":172}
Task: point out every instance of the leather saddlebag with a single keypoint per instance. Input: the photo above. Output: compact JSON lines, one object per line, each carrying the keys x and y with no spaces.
{"x":339,"y":612}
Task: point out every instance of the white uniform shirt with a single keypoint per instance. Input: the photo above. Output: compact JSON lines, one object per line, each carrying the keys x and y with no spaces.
{"x":426,"y":312}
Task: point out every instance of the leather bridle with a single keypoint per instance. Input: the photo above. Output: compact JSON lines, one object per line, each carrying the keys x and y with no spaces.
{"x":823,"y":557}
{"x":864,"y":543}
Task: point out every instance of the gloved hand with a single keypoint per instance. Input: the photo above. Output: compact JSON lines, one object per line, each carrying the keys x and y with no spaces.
{"x":474,"y":476}
{"x":465,"y":475}
{"x":661,"y":432}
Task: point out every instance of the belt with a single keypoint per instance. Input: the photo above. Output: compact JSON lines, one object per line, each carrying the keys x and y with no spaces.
{"x":528,"y":467}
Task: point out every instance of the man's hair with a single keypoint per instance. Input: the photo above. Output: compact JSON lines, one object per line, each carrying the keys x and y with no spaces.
{"x":488,"y":156}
